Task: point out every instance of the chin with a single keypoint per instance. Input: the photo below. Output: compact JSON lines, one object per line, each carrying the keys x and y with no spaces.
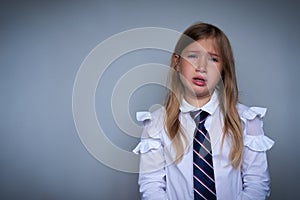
{"x":202,"y":92}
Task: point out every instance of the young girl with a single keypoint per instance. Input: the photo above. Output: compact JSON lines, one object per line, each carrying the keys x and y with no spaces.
{"x":231,"y":161}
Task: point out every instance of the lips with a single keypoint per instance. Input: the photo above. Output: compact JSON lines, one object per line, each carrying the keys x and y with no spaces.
{"x":199,"y":81}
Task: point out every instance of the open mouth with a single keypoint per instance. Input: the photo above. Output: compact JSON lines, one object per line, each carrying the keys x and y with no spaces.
{"x":200,"y":81}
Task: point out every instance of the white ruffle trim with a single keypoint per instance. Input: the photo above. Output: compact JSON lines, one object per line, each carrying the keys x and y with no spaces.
{"x":253,"y":112}
{"x":258,"y":143}
{"x":147,"y":145}
{"x":142,"y":116}
{"x":153,"y":122}
{"x":151,"y":136}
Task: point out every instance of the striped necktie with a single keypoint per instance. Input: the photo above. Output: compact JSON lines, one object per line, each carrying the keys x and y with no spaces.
{"x":204,"y":183}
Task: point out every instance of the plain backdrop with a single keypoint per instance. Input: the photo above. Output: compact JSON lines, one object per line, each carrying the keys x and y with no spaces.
{"x":42,"y":45}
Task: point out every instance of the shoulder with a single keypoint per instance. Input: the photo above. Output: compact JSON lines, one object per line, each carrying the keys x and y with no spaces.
{"x":155,"y":116}
{"x":153,"y":122}
{"x":250,"y":113}
{"x":252,"y":119}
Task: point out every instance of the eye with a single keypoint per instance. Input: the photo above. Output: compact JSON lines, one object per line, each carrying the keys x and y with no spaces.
{"x":213,"y":59}
{"x":192,"y":56}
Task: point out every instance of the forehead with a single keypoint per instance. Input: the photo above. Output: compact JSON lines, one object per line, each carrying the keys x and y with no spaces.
{"x":208,"y":45}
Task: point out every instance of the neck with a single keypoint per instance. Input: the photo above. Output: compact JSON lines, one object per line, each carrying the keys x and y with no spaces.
{"x":197,"y":101}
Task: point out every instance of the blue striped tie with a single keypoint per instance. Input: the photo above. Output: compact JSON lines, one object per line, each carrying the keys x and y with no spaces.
{"x":204,"y":182}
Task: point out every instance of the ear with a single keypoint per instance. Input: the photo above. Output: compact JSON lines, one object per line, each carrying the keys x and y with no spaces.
{"x":176,"y":60}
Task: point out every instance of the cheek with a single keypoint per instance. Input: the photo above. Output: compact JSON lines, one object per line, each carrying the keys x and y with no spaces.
{"x":215,"y":73}
{"x":214,"y":80}
{"x":186,"y":68}
{"x":220,"y":68}
{"x":185,"y":74}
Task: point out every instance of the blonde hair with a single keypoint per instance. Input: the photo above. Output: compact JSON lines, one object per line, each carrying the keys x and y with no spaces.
{"x":228,"y":94}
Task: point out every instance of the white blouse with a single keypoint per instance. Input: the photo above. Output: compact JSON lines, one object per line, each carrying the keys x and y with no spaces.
{"x":162,"y":178}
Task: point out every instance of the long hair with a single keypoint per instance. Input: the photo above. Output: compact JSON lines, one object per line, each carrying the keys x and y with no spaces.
{"x":228,"y":94}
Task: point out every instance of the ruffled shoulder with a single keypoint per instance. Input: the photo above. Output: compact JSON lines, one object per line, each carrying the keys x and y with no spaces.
{"x":249,"y":113}
{"x":254,"y":137}
{"x":151,"y":136}
{"x":258,"y":142}
{"x":147,"y":145}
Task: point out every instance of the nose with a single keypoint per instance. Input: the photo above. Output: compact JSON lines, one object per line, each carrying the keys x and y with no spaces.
{"x":201,"y":63}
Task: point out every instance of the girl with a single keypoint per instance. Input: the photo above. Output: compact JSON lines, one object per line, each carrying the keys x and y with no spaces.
{"x":221,"y":156}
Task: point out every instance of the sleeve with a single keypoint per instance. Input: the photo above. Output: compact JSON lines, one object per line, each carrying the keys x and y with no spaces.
{"x":255,"y":174}
{"x":152,"y":176}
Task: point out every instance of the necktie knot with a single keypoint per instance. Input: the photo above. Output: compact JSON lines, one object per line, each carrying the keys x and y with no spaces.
{"x":199,"y":115}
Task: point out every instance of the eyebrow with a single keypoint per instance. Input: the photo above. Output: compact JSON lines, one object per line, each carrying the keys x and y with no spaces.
{"x":213,"y":54}
{"x":210,"y":53}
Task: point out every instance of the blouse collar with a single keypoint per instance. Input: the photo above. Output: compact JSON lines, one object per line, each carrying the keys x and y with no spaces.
{"x":209,"y":107}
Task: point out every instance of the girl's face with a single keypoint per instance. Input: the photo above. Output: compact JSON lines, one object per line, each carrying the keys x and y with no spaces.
{"x":200,"y":66}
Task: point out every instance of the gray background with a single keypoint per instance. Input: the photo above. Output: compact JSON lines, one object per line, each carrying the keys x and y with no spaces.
{"x":42,"y":45}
